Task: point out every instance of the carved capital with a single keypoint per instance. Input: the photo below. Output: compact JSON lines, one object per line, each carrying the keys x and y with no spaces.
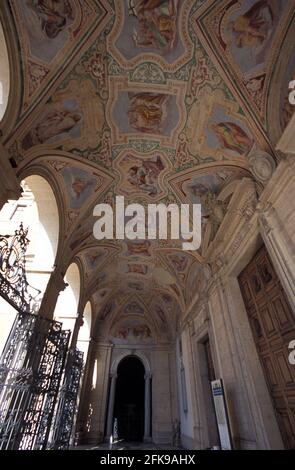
{"x":57,"y":280}
{"x":80,"y":320}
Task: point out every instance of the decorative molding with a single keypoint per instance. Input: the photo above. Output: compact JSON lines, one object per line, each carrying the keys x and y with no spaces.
{"x":262,"y":166}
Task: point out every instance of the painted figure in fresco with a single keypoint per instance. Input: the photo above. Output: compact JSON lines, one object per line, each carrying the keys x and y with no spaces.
{"x":53,"y":15}
{"x":139,"y":332}
{"x":138,"y":248}
{"x":144,"y":176}
{"x":137,"y":269}
{"x":232,"y":137}
{"x":79,"y":185}
{"x":147,"y":111}
{"x":254,"y":27}
{"x":157,"y":23}
{"x":55,"y":123}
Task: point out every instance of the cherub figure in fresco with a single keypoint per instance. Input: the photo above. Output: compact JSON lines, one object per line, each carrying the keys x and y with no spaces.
{"x":157,"y":23}
{"x":147,"y":111}
{"x":254,"y":27}
{"x":53,"y":15}
{"x":145,"y":176}
{"x":55,"y":123}
{"x":232,"y":137}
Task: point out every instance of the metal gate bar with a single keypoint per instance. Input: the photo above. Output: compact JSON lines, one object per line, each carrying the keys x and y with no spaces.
{"x":66,"y":410}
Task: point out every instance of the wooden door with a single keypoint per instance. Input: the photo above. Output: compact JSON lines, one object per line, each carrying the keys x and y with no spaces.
{"x":273,"y":326}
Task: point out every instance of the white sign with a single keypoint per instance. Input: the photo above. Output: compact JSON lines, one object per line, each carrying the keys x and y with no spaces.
{"x":221,"y":415}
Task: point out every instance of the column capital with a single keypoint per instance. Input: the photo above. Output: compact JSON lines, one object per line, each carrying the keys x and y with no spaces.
{"x":147,"y":376}
{"x":58,"y":280}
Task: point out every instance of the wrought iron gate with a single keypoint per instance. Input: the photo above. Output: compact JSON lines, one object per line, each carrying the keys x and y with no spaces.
{"x":31,"y":368}
{"x":33,"y":361}
{"x":66,"y":410}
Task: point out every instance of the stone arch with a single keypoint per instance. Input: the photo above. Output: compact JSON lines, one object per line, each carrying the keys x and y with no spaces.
{"x":140,"y":355}
{"x":281,"y":76}
{"x":113,"y":378}
{"x":40,"y":171}
{"x":10,"y":70}
{"x":37,"y":210}
{"x":66,"y":309}
{"x":85,"y":330}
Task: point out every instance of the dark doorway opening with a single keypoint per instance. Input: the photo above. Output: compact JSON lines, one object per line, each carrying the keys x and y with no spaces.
{"x":129,"y":400}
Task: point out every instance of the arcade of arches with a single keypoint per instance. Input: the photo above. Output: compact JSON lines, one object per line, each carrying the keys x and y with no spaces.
{"x":159,"y":101}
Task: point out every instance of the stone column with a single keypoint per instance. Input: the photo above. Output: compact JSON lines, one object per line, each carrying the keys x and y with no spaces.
{"x":9,"y":185}
{"x":78,"y":323}
{"x":55,"y":286}
{"x":280,"y":247}
{"x":147,"y":408}
{"x":111,"y":405}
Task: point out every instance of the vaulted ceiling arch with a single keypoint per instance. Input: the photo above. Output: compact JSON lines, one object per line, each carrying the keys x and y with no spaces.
{"x":164,"y":112}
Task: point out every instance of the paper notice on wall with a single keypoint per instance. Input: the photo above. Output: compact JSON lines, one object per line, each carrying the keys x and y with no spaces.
{"x":221,"y":414}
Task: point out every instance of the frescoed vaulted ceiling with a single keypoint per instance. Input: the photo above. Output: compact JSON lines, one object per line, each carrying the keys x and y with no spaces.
{"x":155,"y":100}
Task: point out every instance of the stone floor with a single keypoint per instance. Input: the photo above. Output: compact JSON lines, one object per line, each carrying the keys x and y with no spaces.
{"x":122,"y":445}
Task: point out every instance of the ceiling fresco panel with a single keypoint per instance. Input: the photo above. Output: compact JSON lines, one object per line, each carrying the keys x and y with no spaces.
{"x":49,"y":33}
{"x":151,"y":31}
{"x":245,"y":37}
{"x":158,"y":101}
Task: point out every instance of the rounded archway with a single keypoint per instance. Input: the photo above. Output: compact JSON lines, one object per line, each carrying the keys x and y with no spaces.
{"x":4,"y":74}
{"x":129,"y":399}
{"x":42,"y":220}
{"x":85,"y":330}
{"x":37,"y":210}
{"x":66,"y":309}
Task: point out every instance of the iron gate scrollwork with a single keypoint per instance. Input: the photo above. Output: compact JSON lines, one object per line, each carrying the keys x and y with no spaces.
{"x":14,"y":287}
{"x":31,"y":368}
{"x":34,"y":362}
{"x":66,"y":410}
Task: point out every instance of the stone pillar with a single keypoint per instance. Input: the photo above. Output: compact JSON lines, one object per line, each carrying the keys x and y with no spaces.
{"x":111,"y":405}
{"x":280,"y":246}
{"x":78,"y":323}
{"x":147,"y":408}
{"x":251,"y":414}
{"x":56,"y":284}
{"x":9,"y":185}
